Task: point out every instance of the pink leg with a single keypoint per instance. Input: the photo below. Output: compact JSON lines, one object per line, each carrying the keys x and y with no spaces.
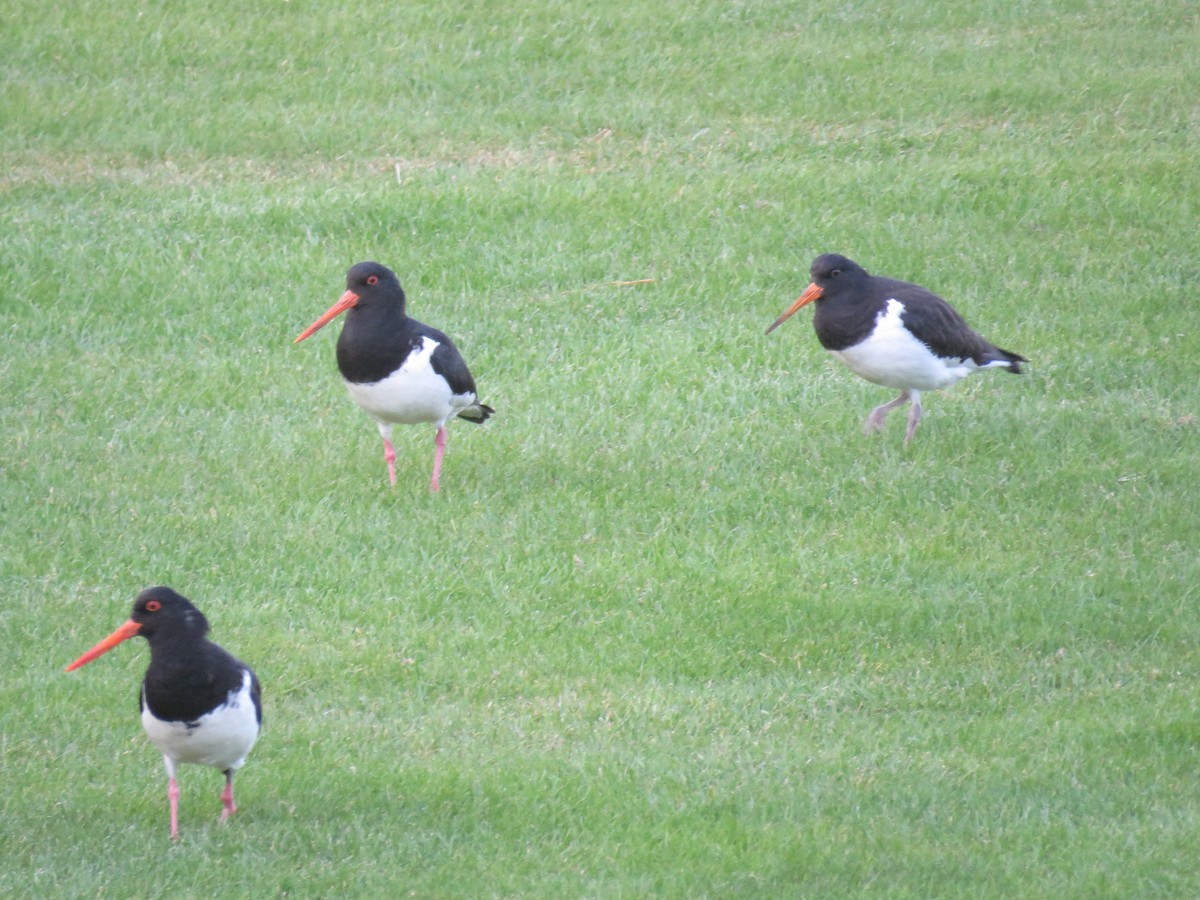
{"x":173,"y":796}
{"x":914,"y":416}
{"x":389,"y":454}
{"x":227,"y":796}
{"x":875,"y":419}
{"x":440,"y":443}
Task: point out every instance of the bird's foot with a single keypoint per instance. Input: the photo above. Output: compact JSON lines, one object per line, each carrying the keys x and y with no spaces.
{"x":439,"y":442}
{"x":389,"y":456}
{"x":173,"y":797}
{"x":914,"y":419}
{"x":878,"y":414}
{"x":227,"y":801}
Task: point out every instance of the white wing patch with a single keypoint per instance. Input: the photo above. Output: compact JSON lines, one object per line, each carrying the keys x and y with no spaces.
{"x":413,"y":393}
{"x":891,"y":356}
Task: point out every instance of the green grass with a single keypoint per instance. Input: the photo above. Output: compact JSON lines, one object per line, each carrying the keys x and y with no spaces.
{"x":674,"y":626}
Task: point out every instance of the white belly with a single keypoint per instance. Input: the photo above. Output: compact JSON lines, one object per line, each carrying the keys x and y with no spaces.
{"x":221,"y":738}
{"x":413,"y":393}
{"x":891,"y":356}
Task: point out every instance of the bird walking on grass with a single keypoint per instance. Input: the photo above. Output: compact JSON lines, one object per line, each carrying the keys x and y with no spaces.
{"x":199,"y":704}
{"x":893,"y":333}
{"x":399,"y":370}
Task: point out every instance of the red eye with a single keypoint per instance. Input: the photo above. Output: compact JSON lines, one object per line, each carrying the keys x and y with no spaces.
{"x":153,"y":606}
{"x":372,"y":279}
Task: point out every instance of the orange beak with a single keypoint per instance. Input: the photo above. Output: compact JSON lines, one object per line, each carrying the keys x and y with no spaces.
{"x":124,"y":633}
{"x":811,"y":293}
{"x":348,"y":300}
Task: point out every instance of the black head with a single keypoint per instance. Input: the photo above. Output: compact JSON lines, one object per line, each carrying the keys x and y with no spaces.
{"x":369,"y":286}
{"x":832,"y":273}
{"x":159,"y":615}
{"x":373,"y":283}
{"x":159,"y":610}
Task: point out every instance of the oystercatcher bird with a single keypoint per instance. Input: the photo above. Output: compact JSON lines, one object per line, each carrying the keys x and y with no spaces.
{"x":398,"y":369}
{"x":893,"y":333}
{"x":199,"y":704}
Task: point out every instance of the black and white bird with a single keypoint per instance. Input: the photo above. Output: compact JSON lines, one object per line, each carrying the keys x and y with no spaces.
{"x":893,"y":333}
{"x":199,"y":704}
{"x":399,"y":370}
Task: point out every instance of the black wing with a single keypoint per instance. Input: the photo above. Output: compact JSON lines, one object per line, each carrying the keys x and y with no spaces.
{"x":939,"y":327}
{"x":448,"y":362}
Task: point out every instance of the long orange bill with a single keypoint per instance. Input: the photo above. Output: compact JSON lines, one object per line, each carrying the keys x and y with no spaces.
{"x":811,"y":293}
{"x":348,"y":300}
{"x":124,"y":633}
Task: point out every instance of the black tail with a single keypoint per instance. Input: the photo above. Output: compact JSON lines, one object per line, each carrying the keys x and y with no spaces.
{"x":1014,"y":360}
{"x":477,"y":413}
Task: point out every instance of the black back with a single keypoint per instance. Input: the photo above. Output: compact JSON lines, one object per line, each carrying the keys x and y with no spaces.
{"x":189,"y":675}
{"x":852,"y":299}
{"x":378,"y":336}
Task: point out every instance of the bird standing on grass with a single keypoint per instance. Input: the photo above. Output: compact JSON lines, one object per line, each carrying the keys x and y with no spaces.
{"x":396,"y":368}
{"x":199,"y":704}
{"x":893,"y":333}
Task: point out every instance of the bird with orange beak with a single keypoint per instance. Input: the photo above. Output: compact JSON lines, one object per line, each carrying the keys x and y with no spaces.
{"x":894,"y":334}
{"x":399,"y":370}
{"x":199,"y":704}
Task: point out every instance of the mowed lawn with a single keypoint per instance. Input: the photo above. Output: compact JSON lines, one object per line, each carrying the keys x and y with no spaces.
{"x":674,"y":625}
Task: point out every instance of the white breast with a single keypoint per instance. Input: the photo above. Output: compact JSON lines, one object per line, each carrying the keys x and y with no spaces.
{"x":891,"y":356}
{"x":221,"y":738}
{"x":413,"y":393}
